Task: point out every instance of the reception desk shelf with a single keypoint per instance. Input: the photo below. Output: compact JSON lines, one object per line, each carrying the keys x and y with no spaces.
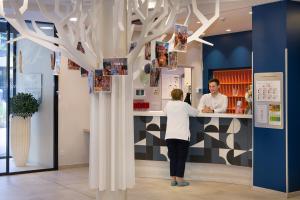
{"x":234,"y":84}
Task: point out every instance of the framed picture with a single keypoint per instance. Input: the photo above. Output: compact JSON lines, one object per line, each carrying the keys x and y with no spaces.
{"x":115,"y":66}
{"x":161,"y":53}
{"x":101,"y":83}
{"x":181,"y":35}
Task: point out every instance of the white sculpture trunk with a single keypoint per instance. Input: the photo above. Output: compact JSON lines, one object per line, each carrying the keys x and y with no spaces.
{"x":20,"y":139}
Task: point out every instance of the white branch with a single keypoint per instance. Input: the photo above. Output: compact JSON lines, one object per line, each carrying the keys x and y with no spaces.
{"x":24,"y":7}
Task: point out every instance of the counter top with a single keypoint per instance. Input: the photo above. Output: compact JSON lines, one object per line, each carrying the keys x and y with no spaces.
{"x":219,"y":115}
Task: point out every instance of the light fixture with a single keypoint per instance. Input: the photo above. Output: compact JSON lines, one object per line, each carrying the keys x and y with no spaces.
{"x":250,"y":12}
{"x":73,"y":19}
{"x":228,"y":30}
{"x":198,"y":22}
{"x":46,"y":27}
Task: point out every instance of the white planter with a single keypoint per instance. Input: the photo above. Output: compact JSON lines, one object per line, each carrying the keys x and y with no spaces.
{"x":20,"y":139}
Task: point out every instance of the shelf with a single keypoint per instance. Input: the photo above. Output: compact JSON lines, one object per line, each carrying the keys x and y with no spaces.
{"x":236,"y":83}
{"x":236,"y":96}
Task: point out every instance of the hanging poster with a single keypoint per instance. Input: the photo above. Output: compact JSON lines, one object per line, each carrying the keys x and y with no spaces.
{"x":173,"y":59}
{"x":115,"y":66}
{"x":181,"y":35}
{"x":161,"y":53}
{"x":155,"y":77}
{"x":101,"y":83}
{"x":268,"y":100}
{"x":148,"y":51}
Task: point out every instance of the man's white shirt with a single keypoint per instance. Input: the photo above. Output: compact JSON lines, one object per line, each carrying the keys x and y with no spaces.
{"x":218,"y":103}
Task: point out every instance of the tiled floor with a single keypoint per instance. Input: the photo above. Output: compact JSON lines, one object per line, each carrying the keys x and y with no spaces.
{"x":72,"y":184}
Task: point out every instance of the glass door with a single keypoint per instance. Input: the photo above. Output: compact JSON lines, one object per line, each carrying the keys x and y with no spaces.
{"x":25,"y":67}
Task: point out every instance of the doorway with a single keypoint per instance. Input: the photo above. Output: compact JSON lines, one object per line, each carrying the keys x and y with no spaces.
{"x":26,"y":67}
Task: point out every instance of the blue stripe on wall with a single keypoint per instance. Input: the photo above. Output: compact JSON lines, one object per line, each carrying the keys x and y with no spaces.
{"x":269,"y":43}
{"x":293,"y":42}
{"x":229,"y":51}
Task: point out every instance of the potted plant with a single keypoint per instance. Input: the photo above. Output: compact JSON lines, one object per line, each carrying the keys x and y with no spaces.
{"x":23,"y":106}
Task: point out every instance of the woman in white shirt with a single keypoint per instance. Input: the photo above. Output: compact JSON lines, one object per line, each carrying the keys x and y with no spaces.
{"x":178,"y":135}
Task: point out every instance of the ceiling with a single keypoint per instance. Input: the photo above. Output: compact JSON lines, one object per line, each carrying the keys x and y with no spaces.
{"x":234,"y":14}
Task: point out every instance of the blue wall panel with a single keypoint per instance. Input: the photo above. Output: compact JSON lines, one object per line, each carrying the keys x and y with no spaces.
{"x":293,"y":42}
{"x":229,"y":51}
{"x":269,"y":43}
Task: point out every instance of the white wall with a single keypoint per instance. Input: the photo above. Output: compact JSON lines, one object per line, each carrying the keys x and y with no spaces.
{"x":74,"y":105}
{"x":193,"y":57}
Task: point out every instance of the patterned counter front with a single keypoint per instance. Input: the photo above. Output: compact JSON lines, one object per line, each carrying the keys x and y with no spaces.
{"x":213,"y":140}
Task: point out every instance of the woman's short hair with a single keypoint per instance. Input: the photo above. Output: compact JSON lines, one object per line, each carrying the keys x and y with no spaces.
{"x":177,"y":94}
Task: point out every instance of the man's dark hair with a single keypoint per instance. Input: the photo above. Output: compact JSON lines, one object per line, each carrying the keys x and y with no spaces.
{"x":214,"y":80}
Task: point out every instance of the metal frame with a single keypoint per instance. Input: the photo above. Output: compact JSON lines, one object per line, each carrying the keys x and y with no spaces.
{"x":9,"y":30}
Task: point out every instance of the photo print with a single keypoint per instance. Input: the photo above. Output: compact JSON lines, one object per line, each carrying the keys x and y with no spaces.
{"x":148,"y":51}
{"x":83,"y":72}
{"x":155,"y":77}
{"x":132,"y":46}
{"x":161,"y":53}
{"x":71,"y":64}
{"x":101,"y":83}
{"x":91,"y":81}
{"x":173,"y":60}
{"x":115,"y":66}
{"x":181,"y":35}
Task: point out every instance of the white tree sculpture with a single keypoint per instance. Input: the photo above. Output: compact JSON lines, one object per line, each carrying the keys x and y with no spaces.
{"x":88,"y":29}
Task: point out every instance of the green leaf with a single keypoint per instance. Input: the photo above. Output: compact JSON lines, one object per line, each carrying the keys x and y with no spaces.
{"x":24,"y":105}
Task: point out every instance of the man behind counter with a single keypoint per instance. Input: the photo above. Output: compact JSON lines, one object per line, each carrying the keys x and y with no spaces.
{"x":214,"y":102}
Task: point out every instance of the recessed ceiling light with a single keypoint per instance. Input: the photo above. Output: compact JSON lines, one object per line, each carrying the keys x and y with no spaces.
{"x":46,"y":27}
{"x":250,"y":12}
{"x":73,"y":19}
{"x":228,"y":30}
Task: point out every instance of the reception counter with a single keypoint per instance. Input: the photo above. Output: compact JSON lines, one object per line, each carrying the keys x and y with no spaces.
{"x":215,"y":138}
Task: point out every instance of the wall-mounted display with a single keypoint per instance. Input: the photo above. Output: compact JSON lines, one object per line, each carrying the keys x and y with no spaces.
{"x":173,"y":60}
{"x":268,"y":100}
{"x":101,"y":83}
{"x":30,"y":83}
{"x":148,"y":51}
{"x":181,"y":35}
{"x":161,"y":53}
{"x":155,"y":77}
{"x":115,"y":66}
